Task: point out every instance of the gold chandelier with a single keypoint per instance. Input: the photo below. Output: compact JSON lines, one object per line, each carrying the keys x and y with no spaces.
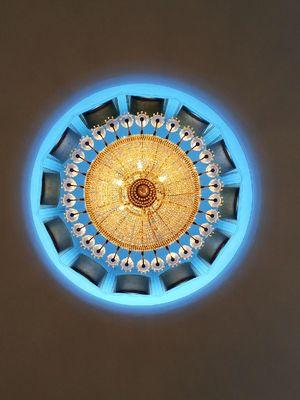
{"x":142,"y":192}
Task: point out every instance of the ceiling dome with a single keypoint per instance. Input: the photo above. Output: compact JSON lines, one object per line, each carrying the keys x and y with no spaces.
{"x":141,"y":195}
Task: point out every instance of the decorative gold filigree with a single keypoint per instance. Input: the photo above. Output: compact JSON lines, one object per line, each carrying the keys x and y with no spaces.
{"x":142,"y":192}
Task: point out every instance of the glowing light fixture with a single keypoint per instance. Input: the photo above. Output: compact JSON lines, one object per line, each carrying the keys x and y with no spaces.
{"x":141,"y":195}
{"x":142,"y":192}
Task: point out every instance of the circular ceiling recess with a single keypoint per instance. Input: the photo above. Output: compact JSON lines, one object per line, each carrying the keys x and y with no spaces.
{"x":140,"y":195}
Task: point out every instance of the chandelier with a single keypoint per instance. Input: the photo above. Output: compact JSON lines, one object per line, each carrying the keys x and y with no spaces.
{"x":146,"y":186}
{"x":139,"y":195}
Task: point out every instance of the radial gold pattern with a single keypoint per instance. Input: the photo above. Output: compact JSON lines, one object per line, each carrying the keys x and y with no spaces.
{"x":142,"y":192}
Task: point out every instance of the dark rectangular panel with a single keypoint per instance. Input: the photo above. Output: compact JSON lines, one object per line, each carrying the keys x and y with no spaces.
{"x":132,"y":284}
{"x":229,"y":208}
{"x":222,"y":156}
{"x":148,"y":105}
{"x":212,"y":246}
{"x":187,"y":118}
{"x":89,"y":268}
{"x":67,"y":142}
{"x":98,"y":115}
{"x":59,"y":234}
{"x":50,"y":188}
{"x":175,"y":276}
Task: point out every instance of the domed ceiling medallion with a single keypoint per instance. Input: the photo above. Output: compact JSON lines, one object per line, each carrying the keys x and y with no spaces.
{"x":139,"y":194}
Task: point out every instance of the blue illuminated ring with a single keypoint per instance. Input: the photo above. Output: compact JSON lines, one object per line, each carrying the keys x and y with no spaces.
{"x":184,"y":292}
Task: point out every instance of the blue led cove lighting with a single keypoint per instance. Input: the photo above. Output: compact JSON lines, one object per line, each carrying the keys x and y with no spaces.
{"x":206,"y":274}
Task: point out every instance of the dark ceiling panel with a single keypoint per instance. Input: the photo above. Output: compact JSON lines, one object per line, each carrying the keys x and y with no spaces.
{"x":99,"y":115}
